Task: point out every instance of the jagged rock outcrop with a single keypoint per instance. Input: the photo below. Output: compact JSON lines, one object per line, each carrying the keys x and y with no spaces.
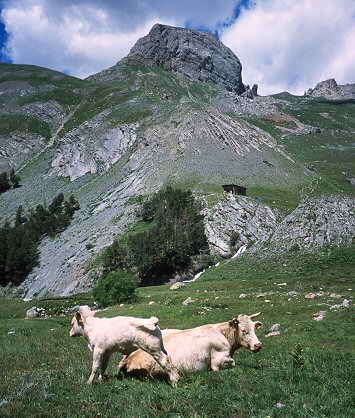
{"x":329,"y":89}
{"x":316,"y":222}
{"x":18,"y":148}
{"x":236,"y":221}
{"x":198,"y":55}
{"x":250,"y":93}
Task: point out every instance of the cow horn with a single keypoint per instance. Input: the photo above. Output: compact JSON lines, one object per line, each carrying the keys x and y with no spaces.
{"x":255,"y":315}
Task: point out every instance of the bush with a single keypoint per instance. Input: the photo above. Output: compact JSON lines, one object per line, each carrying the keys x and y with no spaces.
{"x":116,"y":287}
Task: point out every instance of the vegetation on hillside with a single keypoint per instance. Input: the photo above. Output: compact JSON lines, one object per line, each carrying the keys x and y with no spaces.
{"x":169,"y":235}
{"x":19,"y":242}
{"x":306,"y":371}
{"x":117,"y":287}
{"x":8,"y":180}
{"x":24,"y":123}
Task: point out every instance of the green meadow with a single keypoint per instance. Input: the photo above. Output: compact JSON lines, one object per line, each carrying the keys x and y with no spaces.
{"x":306,"y":371}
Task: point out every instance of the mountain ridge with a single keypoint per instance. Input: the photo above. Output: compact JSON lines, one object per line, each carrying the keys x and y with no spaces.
{"x":139,"y":127}
{"x":197,"y":55}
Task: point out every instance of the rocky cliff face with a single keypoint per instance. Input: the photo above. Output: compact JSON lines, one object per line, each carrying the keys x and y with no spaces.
{"x":236,"y":221}
{"x":329,"y":89}
{"x":197,"y":55}
{"x":83,"y":152}
{"x":316,"y":222}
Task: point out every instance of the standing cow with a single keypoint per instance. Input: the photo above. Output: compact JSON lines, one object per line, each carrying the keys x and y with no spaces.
{"x":202,"y":348}
{"x":123,"y":334}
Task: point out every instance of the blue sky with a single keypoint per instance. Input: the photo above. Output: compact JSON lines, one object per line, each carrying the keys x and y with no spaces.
{"x":3,"y":39}
{"x":282,"y":44}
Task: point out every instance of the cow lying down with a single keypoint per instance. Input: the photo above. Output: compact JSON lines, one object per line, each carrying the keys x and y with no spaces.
{"x":123,"y":334}
{"x":203,"y":348}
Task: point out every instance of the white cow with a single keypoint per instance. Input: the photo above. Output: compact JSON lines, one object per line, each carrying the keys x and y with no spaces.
{"x":202,"y":348}
{"x":121,"y":333}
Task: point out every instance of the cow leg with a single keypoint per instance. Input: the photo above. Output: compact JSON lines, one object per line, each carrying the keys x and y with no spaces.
{"x":166,"y":364}
{"x":95,"y":364}
{"x":103,"y":365}
{"x":221,"y":360}
{"x":122,"y":365}
{"x":227,"y":363}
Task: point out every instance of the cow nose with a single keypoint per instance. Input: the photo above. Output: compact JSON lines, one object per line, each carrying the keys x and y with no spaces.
{"x":257,"y":347}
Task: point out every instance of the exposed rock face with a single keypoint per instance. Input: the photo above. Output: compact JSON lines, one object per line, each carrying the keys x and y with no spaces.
{"x":250,"y":93}
{"x":154,"y":125}
{"x":243,"y":217}
{"x":18,"y":148}
{"x":326,"y":220}
{"x":316,"y":222}
{"x":329,"y":89}
{"x":78,"y":154}
{"x":198,"y":55}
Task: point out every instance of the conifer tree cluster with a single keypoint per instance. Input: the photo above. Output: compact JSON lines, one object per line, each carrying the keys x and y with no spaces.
{"x":7,"y":181}
{"x":173,"y":232}
{"x":19,"y":242}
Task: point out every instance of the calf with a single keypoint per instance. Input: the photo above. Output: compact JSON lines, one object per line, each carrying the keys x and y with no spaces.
{"x":124,"y":334}
{"x":207,"y":347}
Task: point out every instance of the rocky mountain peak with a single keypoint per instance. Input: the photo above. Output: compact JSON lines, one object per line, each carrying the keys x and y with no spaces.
{"x":198,"y":55}
{"x":330,"y":89}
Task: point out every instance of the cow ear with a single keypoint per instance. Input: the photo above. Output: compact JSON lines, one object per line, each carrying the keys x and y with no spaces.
{"x":79,"y":317}
{"x":233,"y":323}
{"x":258,"y":325}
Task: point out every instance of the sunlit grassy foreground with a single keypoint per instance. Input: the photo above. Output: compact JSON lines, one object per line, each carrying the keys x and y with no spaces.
{"x":306,"y":371}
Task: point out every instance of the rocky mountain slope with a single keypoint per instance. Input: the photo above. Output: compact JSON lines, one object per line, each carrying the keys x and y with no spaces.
{"x":330,"y":89}
{"x":172,"y":112}
{"x":199,"y":56}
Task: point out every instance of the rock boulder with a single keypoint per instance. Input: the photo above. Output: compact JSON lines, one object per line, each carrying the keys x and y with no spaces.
{"x":198,"y":55}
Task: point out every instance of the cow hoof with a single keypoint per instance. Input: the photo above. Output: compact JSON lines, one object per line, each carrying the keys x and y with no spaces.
{"x":103,"y":378}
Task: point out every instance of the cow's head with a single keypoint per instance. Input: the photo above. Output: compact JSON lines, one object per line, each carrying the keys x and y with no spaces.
{"x":246,"y":327}
{"x":77,"y":323}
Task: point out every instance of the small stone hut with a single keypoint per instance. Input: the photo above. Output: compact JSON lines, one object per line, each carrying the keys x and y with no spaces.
{"x":234,"y":189}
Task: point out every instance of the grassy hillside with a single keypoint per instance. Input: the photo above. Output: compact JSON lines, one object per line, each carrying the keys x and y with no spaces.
{"x":328,"y":149}
{"x":307,"y":371}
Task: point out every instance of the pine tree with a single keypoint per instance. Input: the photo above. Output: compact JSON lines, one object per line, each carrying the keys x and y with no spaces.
{"x":4,"y":182}
{"x":20,"y":217}
{"x":14,"y":178}
{"x":3,"y":253}
{"x":19,"y":244}
{"x":57,"y":204}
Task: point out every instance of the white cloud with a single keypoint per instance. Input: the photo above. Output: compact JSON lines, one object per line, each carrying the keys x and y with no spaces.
{"x":291,"y":45}
{"x":81,"y":42}
{"x":282,"y":44}
{"x":83,"y":37}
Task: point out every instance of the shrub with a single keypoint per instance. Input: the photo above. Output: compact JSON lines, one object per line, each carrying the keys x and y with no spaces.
{"x":233,"y":240}
{"x":116,"y":287}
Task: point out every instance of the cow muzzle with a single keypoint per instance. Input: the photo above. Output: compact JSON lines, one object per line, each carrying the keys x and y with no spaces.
{"x":257,"y":347}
